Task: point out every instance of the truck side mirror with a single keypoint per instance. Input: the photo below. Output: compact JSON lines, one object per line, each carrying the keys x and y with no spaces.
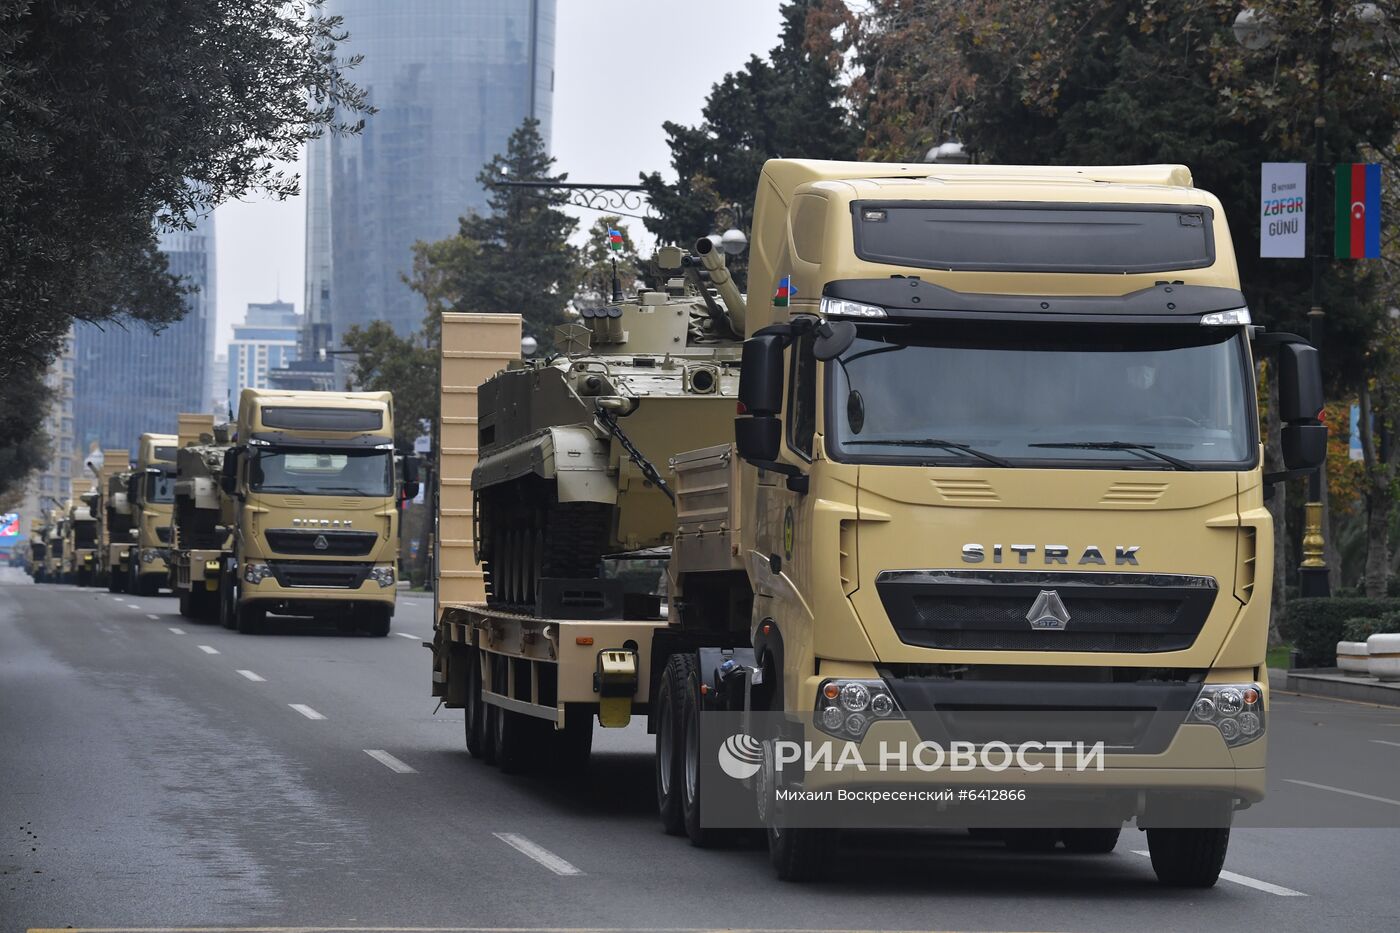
{"x":228,"y":476}
{"x":1299,"y":382}
{"x":410,"y":478}
{"x":758,"y":438}
{"x":1304,"y":446}
{"x":761,"y":375}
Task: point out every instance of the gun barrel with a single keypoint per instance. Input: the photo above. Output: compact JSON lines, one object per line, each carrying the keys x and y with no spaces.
{"x":713,"y":261}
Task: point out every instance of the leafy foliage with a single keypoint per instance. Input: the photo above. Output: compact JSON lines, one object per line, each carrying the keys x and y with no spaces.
{"x":1315,"y":625}
{"x":120,"y":115}
{"x":789,"y":105}
{"x":596,"y":262}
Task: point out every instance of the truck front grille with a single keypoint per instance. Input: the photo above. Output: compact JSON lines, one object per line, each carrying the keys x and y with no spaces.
{"x":322,"y":574}
{"x":338,"y":543}
{"x":960,"y":610}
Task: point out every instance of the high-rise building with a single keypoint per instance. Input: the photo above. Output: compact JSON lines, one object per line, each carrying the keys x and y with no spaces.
{"x":451,"y":81}
{"x":130,"y":379}
{"x":219,"y":403}
{"x":54,"y":482}
{"x":266,"y":340}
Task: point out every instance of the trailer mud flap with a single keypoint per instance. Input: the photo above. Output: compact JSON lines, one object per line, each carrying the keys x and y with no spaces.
{"x":615,"y":682}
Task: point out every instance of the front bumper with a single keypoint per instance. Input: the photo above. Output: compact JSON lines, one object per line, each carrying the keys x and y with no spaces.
{"x":297,"y":589}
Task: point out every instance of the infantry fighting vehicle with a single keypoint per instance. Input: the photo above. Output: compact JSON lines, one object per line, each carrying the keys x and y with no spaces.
{"x":204,"y":518}
{"x":572,"y":446}
{"x":80,"y":541}
{"x":37,"y":546}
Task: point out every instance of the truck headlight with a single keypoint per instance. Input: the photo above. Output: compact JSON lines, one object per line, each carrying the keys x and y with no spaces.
{"x":846,"y":708}
{"x":839,"y":307}
{"x":149,"y":555}
{"x":256,"y":573}
{"x":384,"y":576}
{"x":1237,"y":710}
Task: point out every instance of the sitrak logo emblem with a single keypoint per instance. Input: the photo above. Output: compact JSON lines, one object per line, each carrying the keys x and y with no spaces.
{"x":320,"y":543}
{"x":1048,"y":612}
{"x":740,"y":756}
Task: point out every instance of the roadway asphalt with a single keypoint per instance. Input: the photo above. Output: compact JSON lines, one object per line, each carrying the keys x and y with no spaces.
{"x":155,"y":772}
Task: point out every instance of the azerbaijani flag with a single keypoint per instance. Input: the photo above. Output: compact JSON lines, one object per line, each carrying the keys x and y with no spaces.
{"x":9,"y":525}
{"x":786,"y":291}
{"x":615,"y":240}
{"x":1358,"y":197}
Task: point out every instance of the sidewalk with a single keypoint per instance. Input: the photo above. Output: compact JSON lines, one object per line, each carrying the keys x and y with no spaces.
{"x":1332,"y":683}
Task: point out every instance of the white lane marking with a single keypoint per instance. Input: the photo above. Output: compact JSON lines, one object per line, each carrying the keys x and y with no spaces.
{"x":405,"y":635}
{"x":176,"y":631}
{"x":153,"y":617}
{"x":1267,"y":887}
{"x":253,"y":677}
{"x":1343,"y":790}
{"x":306,"y":711}
{"x":537,"y":852}
{"x":389,"y":761}
{"x":1384,"y":742}
{"x":133,"y":606}
{"x":116,"y":598}
{"x":208,"y":649}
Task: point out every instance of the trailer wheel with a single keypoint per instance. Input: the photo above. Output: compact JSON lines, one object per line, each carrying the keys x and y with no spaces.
{"x":668,"y":731}
{"x":508,"y":738}
{"x":688,"y":751}
{"x":228,"y":601}
{"x":1090,"y":841}
{"x":251,"y":619}
{"x":574,"y":743}
{"x":474,"y":711}
{"x":186,"y":604}
{"x":1188,"y":858}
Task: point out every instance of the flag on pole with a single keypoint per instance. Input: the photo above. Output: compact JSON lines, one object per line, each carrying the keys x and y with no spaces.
{"x":1358,"y":200}
{"x":786,"y":291}
{"x":615,"y":240}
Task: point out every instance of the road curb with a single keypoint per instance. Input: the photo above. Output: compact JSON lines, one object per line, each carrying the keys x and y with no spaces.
{"x":1330,"y":683}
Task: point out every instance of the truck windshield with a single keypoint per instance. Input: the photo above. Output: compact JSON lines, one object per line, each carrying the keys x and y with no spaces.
{"x":320,"y":472}
{"x":160,"y":487}
{"x":1152,"y":397}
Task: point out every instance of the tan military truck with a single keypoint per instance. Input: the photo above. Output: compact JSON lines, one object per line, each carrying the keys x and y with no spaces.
{"x":316,"y":514}
{"x":151,"y":496}
{"x":203,"y":519}
{"x":38,"y":547}
{"x":997,"y":478}
{"x":107,"y":471}
{"x":80,"y":541}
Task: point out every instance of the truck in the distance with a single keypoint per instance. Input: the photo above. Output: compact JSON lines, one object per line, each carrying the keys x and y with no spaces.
{"x":996,"y":478}
{"x":203,"y":517}
{"x":150,"y":495}
{"x":315,"y":509}
{"x":117,"y":527}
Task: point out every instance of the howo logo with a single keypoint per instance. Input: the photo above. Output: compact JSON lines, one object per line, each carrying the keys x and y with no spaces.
{"x":741,"y":756}
{"x":321,"y":523}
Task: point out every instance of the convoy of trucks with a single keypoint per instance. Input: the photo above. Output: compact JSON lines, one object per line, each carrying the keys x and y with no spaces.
{"x":203,"y":519}
{"x":997,"y":448}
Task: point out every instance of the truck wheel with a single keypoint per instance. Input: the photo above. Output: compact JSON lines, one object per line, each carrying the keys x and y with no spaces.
{"x":474,"y":711}
{"x":1030,"y":840}
{"x":668,"y":758}
{"x":251,"y":619}
{"x":114,"y":582}
{"x":573,"y":744}
{"x":375,"y":621}
{"x":1188,"y":858}
{"x":799,"y":854}
{"x":206,"y":605}
{"x":228,"y":604}
{"x":688,"y":751}
{"x":186,"y":603}
{"x":508,"y":730}
{"x":1095,"y":841}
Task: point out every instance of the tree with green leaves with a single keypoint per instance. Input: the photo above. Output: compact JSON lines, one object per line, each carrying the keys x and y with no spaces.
{"x":789,"y":105}
{"x":516,"y":257}
{"x":119,"y":116}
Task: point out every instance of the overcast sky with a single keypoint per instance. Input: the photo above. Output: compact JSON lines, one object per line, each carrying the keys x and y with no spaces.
{"x":621,"y":68}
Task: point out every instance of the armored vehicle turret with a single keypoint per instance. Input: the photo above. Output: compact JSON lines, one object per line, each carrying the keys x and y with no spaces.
{"x":574,"y":448}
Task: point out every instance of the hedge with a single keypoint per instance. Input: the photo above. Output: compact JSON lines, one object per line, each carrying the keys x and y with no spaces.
{"x":1316,"y":624}
{"x":1362,"y":628}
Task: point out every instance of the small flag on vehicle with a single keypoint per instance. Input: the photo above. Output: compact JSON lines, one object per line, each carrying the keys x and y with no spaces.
{"x":1358,"y":199}
{"x":615,"y":240}
{"x":786,"y":291}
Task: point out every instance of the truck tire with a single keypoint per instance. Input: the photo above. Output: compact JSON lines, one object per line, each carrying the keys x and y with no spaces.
{"x":1030,"y":840}
{"x":1090,"y":841}
{"x":186,"y":603}
{"x":509,"y":742}
{"x":573,"y":744}
{"x":688,"y":752}
{"x":251,"y":619}
{"x":228,"y":602}
{"x":206,"y":605}
{"x":1188,"y":858}
{"x":668,"y":758}
{"x":374,"y":621}
{"x":114,"y":582}
{"x":799,"y":854}
{"x":474,"y":711}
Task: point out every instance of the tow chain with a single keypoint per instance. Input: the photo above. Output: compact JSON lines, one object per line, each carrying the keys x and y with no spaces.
{"x":609,"y":420}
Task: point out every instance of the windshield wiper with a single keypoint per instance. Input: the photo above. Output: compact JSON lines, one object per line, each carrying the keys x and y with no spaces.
{"x":1122,"y":445}
{"x":941,"y":445}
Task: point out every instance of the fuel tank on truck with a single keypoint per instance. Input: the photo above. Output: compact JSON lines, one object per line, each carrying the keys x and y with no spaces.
{"x":575,"y":447}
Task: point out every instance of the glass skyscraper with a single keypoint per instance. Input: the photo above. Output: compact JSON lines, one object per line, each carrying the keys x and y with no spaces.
{"x":451,"y":80}
{"x":129,"y":380}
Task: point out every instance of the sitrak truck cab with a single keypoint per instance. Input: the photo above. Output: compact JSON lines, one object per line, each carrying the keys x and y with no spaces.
{"x":995,"y":488}
{"x":150,"y":494}
{"x":316,"y":509}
